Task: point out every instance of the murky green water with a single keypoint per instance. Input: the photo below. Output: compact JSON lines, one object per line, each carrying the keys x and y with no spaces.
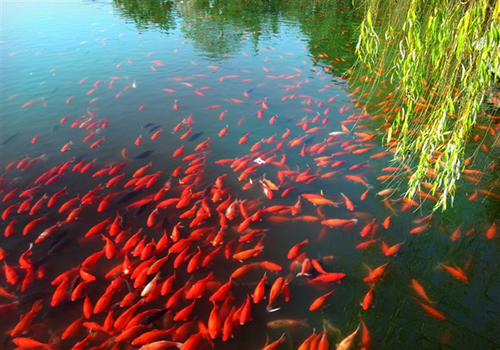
{"x":258,"y":68}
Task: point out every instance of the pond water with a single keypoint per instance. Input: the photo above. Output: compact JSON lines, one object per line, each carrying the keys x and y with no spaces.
{"x":243,"y":114}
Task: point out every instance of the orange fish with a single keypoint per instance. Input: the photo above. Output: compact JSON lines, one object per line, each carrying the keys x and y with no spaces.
{"x":245,"y":311}
{"x":368,"y":299}
{"x":275,"y":344}
{"x":244,"y":138}
{"x":214,"y":322}
{"x":338,"y":222}
{"x":420,"y":290}
{"x":26,"y":319}
{"x":295,"y":250}
{"x":156,"y":134}
{"x":348,"y":202}
{"x":29,"y":343}
{"x":183,"y":315}
{"x":431,"y":311}
{"x":328,"y":277}
{"x":346,"y":343}
{"x":457,"y":273}
{"x":376,"y":275}
{"x":492,"y":231}
{"x":358,"y":179}
{"x":388,"y":251}
{"x":317,"y":199}
{"x":66,"y":147}
{"x":320,"y":301}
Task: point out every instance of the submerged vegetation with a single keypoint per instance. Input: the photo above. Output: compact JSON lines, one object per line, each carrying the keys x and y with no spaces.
{"x":441,"y":57}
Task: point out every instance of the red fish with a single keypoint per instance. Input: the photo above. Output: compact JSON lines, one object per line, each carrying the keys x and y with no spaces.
{"x":348,"y":202}
{"x":295,"y":250}
{"x":328,"y":277}
{"x":431,"y":311}
{"x":244,"y":138}
{"x":368,"y":299}
{"x":376,"y":275}
{"x":319,"y":302}
{"x":97,"y":143}
{"x":338,"y":222}
{"x":456,"y":272}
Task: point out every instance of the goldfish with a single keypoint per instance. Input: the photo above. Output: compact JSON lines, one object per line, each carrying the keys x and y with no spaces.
{"x":328,"y":277}
{"x":456,"y":272}
{"x":358,"y":179}
{"x":317,"y":199}
{"x":368,"y":299}
{"x":347,"y":342}
{"x":420,"y":291}
{"x":348,"y":202}
{"x":376,"y":275}
{"x":295,"y":250}
{"x":66,"y":147}
{"x":338,"y":222}
{"x":431,"y":311}
{"x":287,"y":323}
{"x":319,"y":302}
{"x":275,"y":343}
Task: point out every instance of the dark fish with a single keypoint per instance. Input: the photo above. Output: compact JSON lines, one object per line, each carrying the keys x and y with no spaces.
{"x":153,"y":129}
{"x":148,"y":125}
{"x":165,"y":224}
{"x":153,"y":317}
{"x":129,"y":287}
{"x":55,"y":128}
{"x":207,"y":191}
{"x":59,"y":242}
{"x":141,"y":209}
{"x":79,"y":158}
{"x":144,"y":154}
{"x":9,"y":139}
{"x":123,"y":222}
{"x":309,"y":140}
{"x":195,"y":136}
{"x":127,"y":197}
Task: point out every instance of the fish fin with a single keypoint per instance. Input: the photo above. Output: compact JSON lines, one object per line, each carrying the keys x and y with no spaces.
{"x":270,"y":309}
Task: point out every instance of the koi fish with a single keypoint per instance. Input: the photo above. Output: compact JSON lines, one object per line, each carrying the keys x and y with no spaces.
{"x":338,"y":222}
{"x":317,"y":199}
{"x":286,"y":323}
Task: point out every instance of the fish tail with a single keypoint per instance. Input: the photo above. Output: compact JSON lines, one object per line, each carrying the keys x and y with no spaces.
{"x":269,"y":308}
{"x":303,"y":274}
{"x":304,"y":323}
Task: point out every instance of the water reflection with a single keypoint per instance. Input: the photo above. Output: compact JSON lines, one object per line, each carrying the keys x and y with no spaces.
{"x":219,"y":28}
{"x":149,"y":14}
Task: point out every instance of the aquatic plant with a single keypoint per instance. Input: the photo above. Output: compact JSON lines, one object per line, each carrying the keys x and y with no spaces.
{"x":441,"y":57}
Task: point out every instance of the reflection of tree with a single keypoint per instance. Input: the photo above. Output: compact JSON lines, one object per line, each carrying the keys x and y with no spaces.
{"x":148,"y":13}
{"x":218,"y":27}
{"x":330,"y":29}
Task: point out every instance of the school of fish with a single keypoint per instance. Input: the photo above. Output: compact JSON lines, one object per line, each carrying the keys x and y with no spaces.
{"x":173,"y":254}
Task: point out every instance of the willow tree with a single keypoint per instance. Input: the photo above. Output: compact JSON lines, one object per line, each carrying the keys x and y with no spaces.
{"x":441,"y":56}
